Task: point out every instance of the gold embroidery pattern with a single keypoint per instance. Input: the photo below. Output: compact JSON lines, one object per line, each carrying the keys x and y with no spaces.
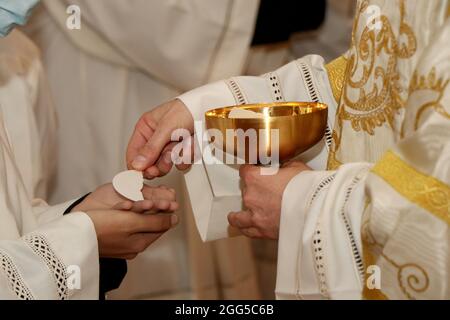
{"x":429,"y":82}
{"x":336,"y":74}
{"x":369,"y":244}
{"x":411,"y":277}
{"x":378,"y":104}
{"x":425,"y":191}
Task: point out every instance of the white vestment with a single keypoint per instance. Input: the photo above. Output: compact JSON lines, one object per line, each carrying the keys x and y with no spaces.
{"x":39,"y":248}
{"x":127,"y":58}
{"x":386,"y":203}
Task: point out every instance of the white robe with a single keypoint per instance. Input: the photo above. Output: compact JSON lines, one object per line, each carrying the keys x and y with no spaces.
{"x":37,"y":244}
{"x":126,"y":59}
{"x":393,"y":214}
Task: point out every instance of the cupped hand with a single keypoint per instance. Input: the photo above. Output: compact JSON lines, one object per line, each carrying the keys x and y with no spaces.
{"x":262,"y":196}
{"x":125,"y":234}
{"x":105,"y":198}
{"x":150,"y":147}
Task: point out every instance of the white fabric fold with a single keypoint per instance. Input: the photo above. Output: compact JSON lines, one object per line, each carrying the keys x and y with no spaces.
{"x":37,"y":244}
{"x":169,"y":46}
{"x":44,"y":258}
{"x":319,"y":253}
{"x":178,"y":59}
{"x":291,"y":249}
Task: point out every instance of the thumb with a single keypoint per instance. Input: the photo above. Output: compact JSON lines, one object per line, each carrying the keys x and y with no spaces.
{"x":123,"y":206}
{"x":151,"y":151}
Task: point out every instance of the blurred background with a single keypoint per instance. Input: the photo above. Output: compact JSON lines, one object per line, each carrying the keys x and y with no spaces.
{"x":130,"y":56}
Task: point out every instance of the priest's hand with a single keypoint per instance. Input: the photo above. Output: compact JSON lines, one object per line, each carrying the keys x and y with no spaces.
{"x":106,"y":198}
{"x":262,"y":196}
{"x":125,"y":234}
{"x":150,"y":146}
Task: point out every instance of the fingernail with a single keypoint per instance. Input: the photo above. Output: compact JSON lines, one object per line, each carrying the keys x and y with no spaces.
{"x":174,"y":220}
{"x":149,"y":176}
{"x":168,"y":157}
{"x":148,"y":205}
{"x":139,"y":162}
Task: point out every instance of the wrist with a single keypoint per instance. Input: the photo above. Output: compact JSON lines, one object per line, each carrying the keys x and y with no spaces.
{"x":295,"y":170}
{"x":81,"y":205}
{"x":182,"y":108}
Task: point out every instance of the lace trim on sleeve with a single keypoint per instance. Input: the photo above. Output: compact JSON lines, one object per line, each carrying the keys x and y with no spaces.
{"x":16,"y":282}
{"x":318,"y":255}
{"x":325,"y":182}
{"x":275,"y":87}
{"x":41,"y":247}
{"x":306,"y":74}
{"x":317,"y":242}
{"x":328,"y":137}
{"x":314,"y":94}
{"x":355,"y":252}
{"x":238,"y":94}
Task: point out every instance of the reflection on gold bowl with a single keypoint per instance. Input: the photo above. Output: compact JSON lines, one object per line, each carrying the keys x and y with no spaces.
{"x":300,"y":125}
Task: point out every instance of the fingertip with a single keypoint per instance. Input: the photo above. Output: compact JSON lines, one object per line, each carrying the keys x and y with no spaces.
{"x":125,"y":205}
{"x":128,"y":205}
{"x":163,"y":204}
{"x":174,"y":220}
{"x":147,"y":205}
{"x":152,"y":172}
{"x":139,"y":163}
{"x":174,"y":206}
{"x":148,"y":176}
{"x":163,"y":168}
{"x":183,"y":166}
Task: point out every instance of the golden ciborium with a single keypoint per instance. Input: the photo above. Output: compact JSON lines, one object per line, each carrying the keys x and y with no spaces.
{"x":300,"y":125}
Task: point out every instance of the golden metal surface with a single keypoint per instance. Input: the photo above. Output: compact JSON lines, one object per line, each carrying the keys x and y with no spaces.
{"x":300,"y":125}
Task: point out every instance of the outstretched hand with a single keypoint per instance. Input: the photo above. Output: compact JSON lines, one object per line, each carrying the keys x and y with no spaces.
{"x":150,"y":146}
{"x":125,"y":234}
{"x":106,"y":198}
{"x":125,"y":228}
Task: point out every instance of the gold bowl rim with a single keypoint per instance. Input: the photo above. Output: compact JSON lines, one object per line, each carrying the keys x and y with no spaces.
{"x":318,"y":106}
